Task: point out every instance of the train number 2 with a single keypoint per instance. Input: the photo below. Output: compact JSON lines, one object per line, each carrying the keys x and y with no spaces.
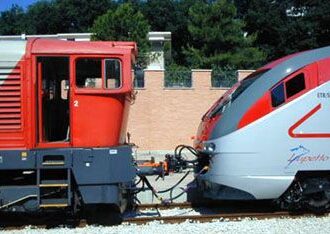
{"x":75,"y":103}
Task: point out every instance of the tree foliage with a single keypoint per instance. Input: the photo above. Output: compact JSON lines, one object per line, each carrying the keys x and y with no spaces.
{"x":172,"y":16}
{"x":317,"y":16}
{"x":79,"y":15}
{"x":286,"y":26}
{"x":12,"y":21}
{"x":218,"y":38}
{"x":51,"y":18}
{"x":205,"y":33}
{"x":279,"y":26}
{"x":123,"y":24}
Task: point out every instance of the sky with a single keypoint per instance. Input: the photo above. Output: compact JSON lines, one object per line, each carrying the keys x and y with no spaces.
{"x":6,"y":4}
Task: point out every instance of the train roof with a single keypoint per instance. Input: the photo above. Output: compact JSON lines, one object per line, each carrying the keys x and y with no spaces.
{"x":276,"y":62}
{"x":14,"y":50}
{"x":53,"y":46}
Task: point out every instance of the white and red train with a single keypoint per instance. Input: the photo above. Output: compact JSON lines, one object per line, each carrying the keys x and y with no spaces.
{"x":269,"y":136}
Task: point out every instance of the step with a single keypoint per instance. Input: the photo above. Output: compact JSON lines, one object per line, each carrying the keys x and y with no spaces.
{"x":53,"y":183}
{"x":53,"y":203}
{"x":53,"y":163}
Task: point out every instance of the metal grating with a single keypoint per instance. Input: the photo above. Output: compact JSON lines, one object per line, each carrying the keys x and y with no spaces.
{"x":178,"y":79}
{"x":223,"y":78}
{"x":10,"y":98}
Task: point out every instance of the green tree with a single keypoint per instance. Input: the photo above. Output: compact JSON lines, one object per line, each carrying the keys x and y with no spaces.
{"x":172,"y":16}
{"x":123,"y":24}
{"x":218,"y":38}
{"x":12,"y":21}
{"x":79,"y":15}
{"x":54,"y":16}
{"x":43,"y":17}
{"x":280,"y":28}
{"x":317,"y":15}
{"x":162,"y":15}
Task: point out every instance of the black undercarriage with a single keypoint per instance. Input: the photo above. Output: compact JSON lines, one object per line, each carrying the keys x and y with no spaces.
{"x":309,"y":190}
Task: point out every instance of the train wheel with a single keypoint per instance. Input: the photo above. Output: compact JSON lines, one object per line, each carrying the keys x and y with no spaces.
{"x":318,"y":202}
{"x":292,"y":198}
{"x":317,"y":194}
{"x":310,"y":193}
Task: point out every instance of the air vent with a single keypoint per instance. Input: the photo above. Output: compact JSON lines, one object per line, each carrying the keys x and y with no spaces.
{"x":10,"y":98}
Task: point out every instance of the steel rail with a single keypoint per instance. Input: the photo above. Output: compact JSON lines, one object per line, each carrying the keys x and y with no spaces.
{"x":232,"y":214}
{"x":215,"y":217}
{"x":170,"y":205}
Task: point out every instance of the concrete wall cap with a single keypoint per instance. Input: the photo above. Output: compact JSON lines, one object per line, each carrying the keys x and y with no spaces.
{"x":246,"y":70}
{"x":178,"y":88}
{"x":201,"y":70}
{"x":154,"y":70}
{"x":219,"y":88}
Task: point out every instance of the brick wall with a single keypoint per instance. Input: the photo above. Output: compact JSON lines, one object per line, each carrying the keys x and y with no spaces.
{"x":161,"y":118}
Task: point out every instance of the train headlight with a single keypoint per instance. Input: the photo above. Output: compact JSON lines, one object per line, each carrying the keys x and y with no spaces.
{"x":210,"y":147}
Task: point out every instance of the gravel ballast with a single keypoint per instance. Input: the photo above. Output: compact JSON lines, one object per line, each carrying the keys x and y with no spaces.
{"x":287,"y":225}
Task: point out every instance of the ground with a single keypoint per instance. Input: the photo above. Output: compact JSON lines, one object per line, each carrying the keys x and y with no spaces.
{"x":294,"y":226}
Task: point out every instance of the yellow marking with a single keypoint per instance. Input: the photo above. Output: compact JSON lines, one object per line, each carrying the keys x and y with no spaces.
{"x":53,"y":185}
{"x":53,"y":163}
{"x":53,"y":205}
{"x":23,"y":154}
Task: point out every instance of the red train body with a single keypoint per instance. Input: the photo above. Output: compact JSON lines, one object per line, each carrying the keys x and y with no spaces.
{"x":97,"y":116}
{"x":63,"y":114}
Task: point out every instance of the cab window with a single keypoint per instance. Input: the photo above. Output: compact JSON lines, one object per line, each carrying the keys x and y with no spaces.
{"x":295,"y":85}
{"x":288,"y":89}
{"x":112,"y":74}
{"x":234,"y":93}
{"x":278,"y":96}
{"x":89,"y":73}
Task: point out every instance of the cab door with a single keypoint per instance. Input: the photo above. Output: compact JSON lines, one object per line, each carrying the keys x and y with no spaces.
{"x":98,"y":100}
{"x":53,"y":125}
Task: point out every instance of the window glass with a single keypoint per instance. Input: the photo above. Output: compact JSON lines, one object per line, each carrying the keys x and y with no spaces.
{"x":89,"y":73}
{"x":235,"y":93}
{"x":295,"y":85}
{"x":112,"y":74}
{"x":278,"y":96}
{"x":246,"y":83}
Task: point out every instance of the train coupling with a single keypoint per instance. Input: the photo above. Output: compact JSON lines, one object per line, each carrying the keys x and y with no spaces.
{"x":171,"y":164}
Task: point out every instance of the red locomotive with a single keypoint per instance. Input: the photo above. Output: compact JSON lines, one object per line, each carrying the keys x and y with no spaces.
{"x":63,"y":115}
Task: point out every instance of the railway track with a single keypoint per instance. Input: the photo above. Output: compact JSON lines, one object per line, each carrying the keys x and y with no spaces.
{"x":230,"y":214}
{"x":170,"y":205}
{"x":213,"y":217}
{"x":233,"y":214}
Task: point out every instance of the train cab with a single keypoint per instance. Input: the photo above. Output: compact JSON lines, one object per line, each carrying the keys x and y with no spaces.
{"x":63,"y":114}
{"x":270,"y":133}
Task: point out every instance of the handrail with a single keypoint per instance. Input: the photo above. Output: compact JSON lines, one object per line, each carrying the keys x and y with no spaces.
{"x":18,"y":200}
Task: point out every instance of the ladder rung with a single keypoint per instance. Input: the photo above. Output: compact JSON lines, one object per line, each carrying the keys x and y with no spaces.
{"x":59,"y":202}
{"x":50,"y":163}
{"x":53,"y":185}
{"x":53,"y":205}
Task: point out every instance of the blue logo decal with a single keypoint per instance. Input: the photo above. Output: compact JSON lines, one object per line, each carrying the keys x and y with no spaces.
{"x":297,"y":153}
{"x":302,"y":155}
